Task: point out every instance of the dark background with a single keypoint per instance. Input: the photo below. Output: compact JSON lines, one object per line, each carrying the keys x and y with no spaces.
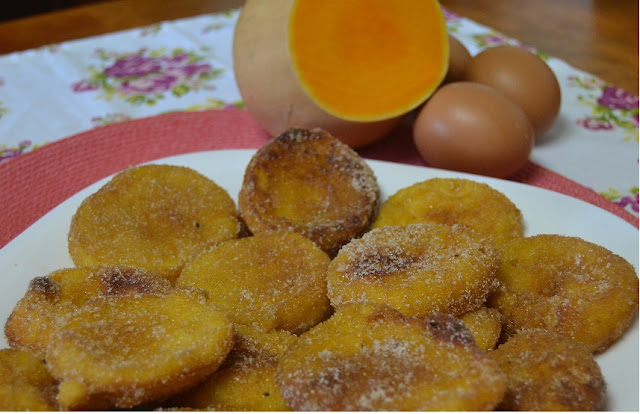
{"x":15,"y":9}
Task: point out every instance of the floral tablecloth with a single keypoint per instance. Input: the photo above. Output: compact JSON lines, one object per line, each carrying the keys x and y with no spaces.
{"x":50,"y":93}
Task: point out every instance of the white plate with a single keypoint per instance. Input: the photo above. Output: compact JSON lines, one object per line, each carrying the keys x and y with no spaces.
{"x":42,"y":248}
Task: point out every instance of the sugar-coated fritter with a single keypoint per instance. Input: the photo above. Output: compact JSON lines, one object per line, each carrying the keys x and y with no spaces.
{"x":549,"y":372}
{"x":309,"y":182}
{"x":119,"y":352}
{"x":269,"y":281}
{"x":485,"y":324}
{"x":567,"y":285}
{"x":368,"y":357}
{"x":50,"y":299}
{"x":245,"y":381}
{"x":454,"y":201}
{"x":25,"y":383}
{"x":155,"y":217}
{"x":417,"y":269}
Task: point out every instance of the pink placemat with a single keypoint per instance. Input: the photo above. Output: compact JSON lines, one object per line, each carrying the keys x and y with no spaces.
{"x":36,"y":182}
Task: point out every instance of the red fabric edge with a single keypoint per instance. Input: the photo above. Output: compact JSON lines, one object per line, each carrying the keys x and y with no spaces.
{"x":539,"y":176}
{"x":36,"y":182}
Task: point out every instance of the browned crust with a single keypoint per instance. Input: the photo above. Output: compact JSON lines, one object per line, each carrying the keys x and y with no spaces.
{"x":345,"y":187}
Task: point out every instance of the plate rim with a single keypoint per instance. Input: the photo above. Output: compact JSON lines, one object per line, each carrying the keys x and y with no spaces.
{"x":246,"y":154}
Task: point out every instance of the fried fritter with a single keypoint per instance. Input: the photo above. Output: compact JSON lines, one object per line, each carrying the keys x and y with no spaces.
{"x":368,"y":357}
{"x":454,"y":201}
{"x":52,"y":298}
{"x":485,"y":324}
{"x":155,"y":217}
{"x":270,"y":281}
{"x":122,"y":351}
{"x":245,"y":381}
{"x":548,"y":372}
{"x":25,"y":383}
{"x":417,"y":269}
{"x":307,"y":181}
{"x":567,"y":285}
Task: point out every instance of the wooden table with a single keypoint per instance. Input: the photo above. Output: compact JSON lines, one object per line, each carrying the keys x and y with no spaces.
{"x":597,"y":36}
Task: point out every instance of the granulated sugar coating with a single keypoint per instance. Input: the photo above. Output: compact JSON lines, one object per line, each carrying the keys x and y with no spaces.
{"x":121,"y":351}
{"x":52,"y":298}
{"x":548,"y":372}
{"x":454,"y":201}
{"x":309,"y":182}
{"x":368,"y":357}
{"x":567,"y":285}
{"x":270,"y":281}
{"x":155,"y":217}
{"x":417,"y":269}
{"x":245,"y":381}
{"x":169,"y":309}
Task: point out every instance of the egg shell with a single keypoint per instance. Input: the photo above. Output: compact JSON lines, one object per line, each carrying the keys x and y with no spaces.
{"x":522,"y":77}
{"x":473,"y":128}
{"x":459,"y":58}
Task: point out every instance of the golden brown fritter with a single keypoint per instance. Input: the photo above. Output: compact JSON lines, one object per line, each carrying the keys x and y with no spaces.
{"x":454,"y":201}
{"x":368,"y":357}
{"x":245,"y":381}
{"x":25,"y":383}
{"x":122,"y":351}
{"x":307,"y":181}
{"x":417,"y":269}
{"x":155,"y":217}
{"x":52,"y":298}
{"x":549,"y":372}
{"x":567,"y":285}
{"x":270,"y":281}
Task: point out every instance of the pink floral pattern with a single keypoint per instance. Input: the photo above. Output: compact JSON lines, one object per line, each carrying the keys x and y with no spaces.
{"x":186,"y":65}
{"x":146,"y":76}
{"x":612,"y":108}
{"x":8,"y":153}
{"x":454,"y":21}
{"x":493,"y":39}
{"x":111,"y":118}
{"x":617,"y":98}
{"x":220,"y":24}
{"x":627,"y":200}
{"x":630,"y":201}
{"x":486,"y":38}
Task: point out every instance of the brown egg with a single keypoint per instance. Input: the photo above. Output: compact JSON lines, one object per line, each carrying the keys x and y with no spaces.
{"x":459,"y":58}
{"x":522,"y":77}
{"x":470,"y":127}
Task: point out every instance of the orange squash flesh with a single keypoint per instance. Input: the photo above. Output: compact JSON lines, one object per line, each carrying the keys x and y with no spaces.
{"x":368,"y":60}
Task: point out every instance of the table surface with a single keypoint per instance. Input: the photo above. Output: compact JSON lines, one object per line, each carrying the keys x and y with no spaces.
{"x":597,"y":36}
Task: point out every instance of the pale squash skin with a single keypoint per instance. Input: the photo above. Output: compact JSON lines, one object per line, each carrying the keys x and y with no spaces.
{"x":269,"y":87}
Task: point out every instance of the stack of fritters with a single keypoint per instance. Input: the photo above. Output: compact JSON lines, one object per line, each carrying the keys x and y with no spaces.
{"x":313,"y":294}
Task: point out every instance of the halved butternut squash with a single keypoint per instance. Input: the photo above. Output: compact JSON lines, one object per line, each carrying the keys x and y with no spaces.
{"x":377,"y":62}
{"x":367,"y":60}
